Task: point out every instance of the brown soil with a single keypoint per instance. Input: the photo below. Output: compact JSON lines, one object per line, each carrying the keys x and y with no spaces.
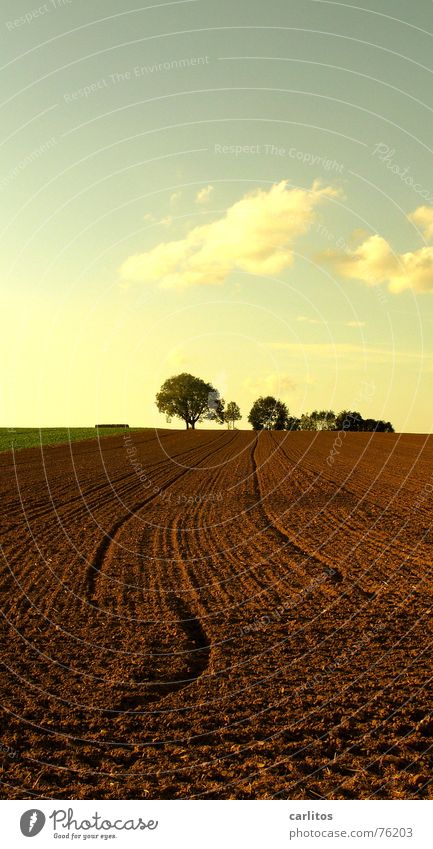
{"x":218,"y":615}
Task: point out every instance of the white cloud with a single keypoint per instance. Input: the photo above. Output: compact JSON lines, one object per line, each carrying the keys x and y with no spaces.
{"x":271,"y":383}
{"x":176,"y":358}
{"x":307,"y":320}
{"x":374,"y":262}
{"x":255,"y":235}
{"x":423,"y":218}
{"x":345,"y":350}
{"x":204,"y":194}
{"x":174,"y":198}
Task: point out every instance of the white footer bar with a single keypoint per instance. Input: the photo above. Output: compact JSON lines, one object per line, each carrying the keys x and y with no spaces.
{"x":166,"y":824}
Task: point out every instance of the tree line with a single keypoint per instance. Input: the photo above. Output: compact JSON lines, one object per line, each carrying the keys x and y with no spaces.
{"x":194,"y":400}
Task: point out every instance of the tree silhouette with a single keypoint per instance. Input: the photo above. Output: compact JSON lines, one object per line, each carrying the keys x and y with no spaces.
{"x":191,"y":399}
{"x":232,"y":413}
{"x":268,"y":413}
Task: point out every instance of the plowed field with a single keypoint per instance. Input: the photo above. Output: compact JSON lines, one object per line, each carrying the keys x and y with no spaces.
{"x":218,"y":615}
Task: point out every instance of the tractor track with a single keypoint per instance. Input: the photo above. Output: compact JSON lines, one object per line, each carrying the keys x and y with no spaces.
{"x":197,"y":644}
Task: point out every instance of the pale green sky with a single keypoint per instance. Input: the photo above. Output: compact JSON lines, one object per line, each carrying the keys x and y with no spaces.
{"x":298,"y":273}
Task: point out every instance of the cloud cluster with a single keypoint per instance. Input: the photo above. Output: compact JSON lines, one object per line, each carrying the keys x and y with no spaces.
{"x":255,"y":235}
{"x":271,"y":383}
{"x":345,"y":351}
{"x":305,"y":319}
{"x":423,"y":218}
{"x":374,"y":261}
{"x":204,"y":194}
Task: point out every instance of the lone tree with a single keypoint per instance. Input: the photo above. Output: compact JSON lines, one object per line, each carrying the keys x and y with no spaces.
{"x":191,"y":399}
{"x":269,"y":414}
{"x":232,"y":414}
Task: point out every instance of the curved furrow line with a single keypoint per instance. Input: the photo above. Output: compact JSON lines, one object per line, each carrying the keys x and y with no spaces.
{"x":238,"y":566}
{"x":175,"y":623}
{"x":188,"y":537}
{"x":159,"y":569}
{"x":195,"y":640}
{"x":189,"y":655}
{"x":345,"y":552}
{"x":351,"y":480}
{"x":309,"y":557}
{"x":22,"y":562}
{"x":104,"y":547}
{"x":46,"y":486}
{"x":346,"y":534}
{"x":326,"y":696}
{"x":57,"y":509}
{"x":194,"y":662}
{"x":260,"y":559}
{"x":89,"y":497}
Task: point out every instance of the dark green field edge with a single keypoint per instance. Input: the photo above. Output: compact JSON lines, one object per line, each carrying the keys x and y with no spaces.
{"x":19,"y":437}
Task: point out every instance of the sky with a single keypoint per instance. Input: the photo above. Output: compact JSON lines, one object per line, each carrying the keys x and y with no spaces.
{"x":240,"y":190}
